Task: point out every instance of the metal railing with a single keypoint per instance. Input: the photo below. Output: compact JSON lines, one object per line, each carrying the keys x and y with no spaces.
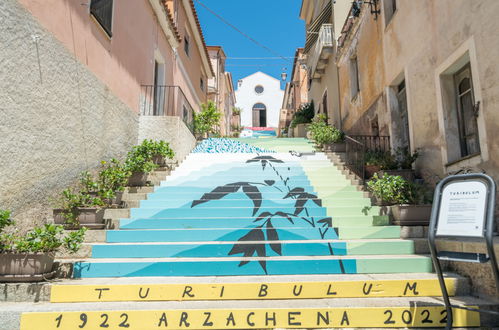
{"x":379,"y":143}
{"x":164,"y":100}
{"x":323,"y":48}
{"x":355,"y":156}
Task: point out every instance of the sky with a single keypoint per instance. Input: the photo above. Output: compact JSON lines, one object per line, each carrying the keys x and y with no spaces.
{"x":273,"y":23}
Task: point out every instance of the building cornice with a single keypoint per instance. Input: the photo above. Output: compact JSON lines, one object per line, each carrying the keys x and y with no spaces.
{"x":165,"y":20}
{"x":193,"y":19}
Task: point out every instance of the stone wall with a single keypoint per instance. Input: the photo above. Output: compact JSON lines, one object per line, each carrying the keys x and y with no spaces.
{"x":56,"y":117}
{"x":168,"y":128}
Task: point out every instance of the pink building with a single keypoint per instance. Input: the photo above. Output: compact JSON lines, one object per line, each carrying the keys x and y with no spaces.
{"x":83,"y":81}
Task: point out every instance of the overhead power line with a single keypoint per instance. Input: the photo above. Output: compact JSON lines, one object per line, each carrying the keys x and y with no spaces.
{"x":260,"y":58}
{"x":241,"y":32}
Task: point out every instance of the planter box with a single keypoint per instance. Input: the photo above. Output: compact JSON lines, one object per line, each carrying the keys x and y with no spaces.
{"x":116,"y":201}
{"x":407,"y":175}
{"x":137,"y":179}
{"x":411,"y":215}
{"x":90,"y":217}
{"x":370,"y":170}
{"x":26,"y":267}
{"x":300,"y":130}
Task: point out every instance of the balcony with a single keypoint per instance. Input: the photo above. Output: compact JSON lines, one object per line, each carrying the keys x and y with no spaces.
{"x":160,"y":100}
{"x":320,"y":53}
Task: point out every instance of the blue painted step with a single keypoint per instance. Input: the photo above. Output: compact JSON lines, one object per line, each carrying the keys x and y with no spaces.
{"x":196,"y":212}
{"x":206,"y":235}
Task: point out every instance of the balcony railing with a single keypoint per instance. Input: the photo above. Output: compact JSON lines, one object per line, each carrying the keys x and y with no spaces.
{"x":355,"y":156}
{"x":319,"y":56}
{"x":161,"y":100}
{"x":380,"y":143}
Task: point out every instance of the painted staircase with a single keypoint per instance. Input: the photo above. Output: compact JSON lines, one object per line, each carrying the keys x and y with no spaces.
{"x":247,"y":240}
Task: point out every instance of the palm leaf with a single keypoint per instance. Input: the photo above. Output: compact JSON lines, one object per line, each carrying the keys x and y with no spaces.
{"x":218,"y":193}
{"x":255,"y":195}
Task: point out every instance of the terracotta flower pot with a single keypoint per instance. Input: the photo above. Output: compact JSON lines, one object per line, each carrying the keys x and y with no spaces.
{"x":137,"y":179}
{"x":411,"y":215}
{"x":26,"y":267}
{"x":370,"y":170}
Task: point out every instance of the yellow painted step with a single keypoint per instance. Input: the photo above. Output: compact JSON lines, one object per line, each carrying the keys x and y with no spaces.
{"x":373,"y":317}
{"x":249,"y":291}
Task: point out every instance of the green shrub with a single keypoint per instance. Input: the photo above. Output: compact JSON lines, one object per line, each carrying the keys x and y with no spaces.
{"x":383,"y":159}
{"x":404,"y":158}
{"x":324,"y":134}
{"x":208,"y":119}
{"x":48,"y":238}
{"x":303,"y":115}
{"x":112,"y":178}
{"x":236,"y":111}
{"x":393,"y":189}
{"x":70,"y":200}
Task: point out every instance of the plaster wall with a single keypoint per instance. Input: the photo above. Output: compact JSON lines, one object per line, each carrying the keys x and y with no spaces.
{"x":170,"y":129}
{"x":365,"y":109}
{"x":189,"y":69}
{"x":272,"y":96}
{"x":56,"y":117}
{"x":424,"y":38}
{"x":110,"y":59}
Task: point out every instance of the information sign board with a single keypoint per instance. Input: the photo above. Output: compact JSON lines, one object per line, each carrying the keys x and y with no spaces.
{"x":462,"y":209}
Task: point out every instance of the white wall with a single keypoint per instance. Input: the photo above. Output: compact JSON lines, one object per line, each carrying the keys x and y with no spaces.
{"x":247,"y":97}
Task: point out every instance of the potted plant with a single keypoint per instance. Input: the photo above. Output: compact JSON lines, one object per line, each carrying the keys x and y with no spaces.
{"x":112,"y":179}
{"x":410,"y":203}
{"x":156,"y":151}
{"x":79,"y":209}
{"x":403,"y":164}
{"x":30,"y":257}
{"x":377,"y":160}
{"x":301,"y":119}
{"x":139,"y":163}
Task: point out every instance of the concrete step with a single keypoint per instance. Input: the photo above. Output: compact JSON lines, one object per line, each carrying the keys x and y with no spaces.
{"x":234,"y":234}
{"x":230,"y":266}
{"x":402,"y":312}
{"x":209,"y":288}
{"x":243,"y":222}
{"x":222,"y":249}
{"x":414,"y":233}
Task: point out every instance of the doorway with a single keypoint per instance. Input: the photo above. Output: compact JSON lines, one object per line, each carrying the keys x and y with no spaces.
{"x":259,"y":115}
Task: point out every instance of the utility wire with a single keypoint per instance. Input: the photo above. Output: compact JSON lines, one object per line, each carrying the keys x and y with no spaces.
{"x":260,"y":58}
{"x":241,"y":32}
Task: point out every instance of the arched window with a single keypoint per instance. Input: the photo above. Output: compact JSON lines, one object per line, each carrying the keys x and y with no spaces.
{"x":259,"y":115}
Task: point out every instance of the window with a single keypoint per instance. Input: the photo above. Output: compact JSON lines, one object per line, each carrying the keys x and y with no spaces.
{"x":466,"y":115}
{"x":354,"y":77}
{"x":102,"y":10}
{"x":389,"y":8}
{"x":201,"y":83}
{"x":259,"y":89}
{"x":187,"y":46}
{"x":324,"y":105}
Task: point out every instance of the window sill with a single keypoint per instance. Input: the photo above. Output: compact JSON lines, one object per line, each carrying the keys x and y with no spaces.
{"x":99,"y":25}
{"x":470,"y":160}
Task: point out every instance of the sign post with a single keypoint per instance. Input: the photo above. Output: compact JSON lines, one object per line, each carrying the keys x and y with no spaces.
{"x":463,"y":207}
